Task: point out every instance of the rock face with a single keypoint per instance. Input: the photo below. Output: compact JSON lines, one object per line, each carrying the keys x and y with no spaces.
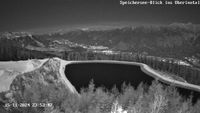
{"x":42,"y":85}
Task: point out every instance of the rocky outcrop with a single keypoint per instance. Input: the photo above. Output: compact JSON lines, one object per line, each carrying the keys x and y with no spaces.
{"x":42,"y":85}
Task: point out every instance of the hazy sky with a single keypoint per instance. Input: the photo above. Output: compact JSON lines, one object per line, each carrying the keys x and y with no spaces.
{"x":40,"y":14}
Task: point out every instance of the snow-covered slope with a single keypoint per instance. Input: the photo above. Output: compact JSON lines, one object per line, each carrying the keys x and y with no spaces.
{"x":9,"y":70}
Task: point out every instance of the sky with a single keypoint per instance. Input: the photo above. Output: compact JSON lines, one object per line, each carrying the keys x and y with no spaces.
{"x":22,"y":15}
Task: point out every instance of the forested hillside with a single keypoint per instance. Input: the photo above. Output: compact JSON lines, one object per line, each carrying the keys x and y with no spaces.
{"x":161,"y":47}
{"x":174,"y":40}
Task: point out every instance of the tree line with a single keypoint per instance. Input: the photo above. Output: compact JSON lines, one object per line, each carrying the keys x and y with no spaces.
{"x":189,"y":73}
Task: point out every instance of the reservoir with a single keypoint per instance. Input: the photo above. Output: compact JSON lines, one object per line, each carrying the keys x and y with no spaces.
{"x":109,"y":74}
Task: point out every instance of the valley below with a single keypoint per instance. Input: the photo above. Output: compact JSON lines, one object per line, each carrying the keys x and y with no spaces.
{"x":145,"y":69}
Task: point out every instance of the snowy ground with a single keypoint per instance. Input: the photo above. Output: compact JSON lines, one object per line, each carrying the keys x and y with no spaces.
{"x":9,"y":70}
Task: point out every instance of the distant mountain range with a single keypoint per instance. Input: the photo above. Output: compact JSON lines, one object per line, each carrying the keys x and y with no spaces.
{"x":176,"y":40}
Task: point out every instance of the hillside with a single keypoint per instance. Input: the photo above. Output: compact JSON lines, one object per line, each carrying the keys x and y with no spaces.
{"x":46,"y":84}
{"x":180,"y":41}
{"x":175,"y":40}
{"x":33,"y":85}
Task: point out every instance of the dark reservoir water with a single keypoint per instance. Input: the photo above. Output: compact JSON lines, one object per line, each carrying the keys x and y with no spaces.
{"x":110,"y":74}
